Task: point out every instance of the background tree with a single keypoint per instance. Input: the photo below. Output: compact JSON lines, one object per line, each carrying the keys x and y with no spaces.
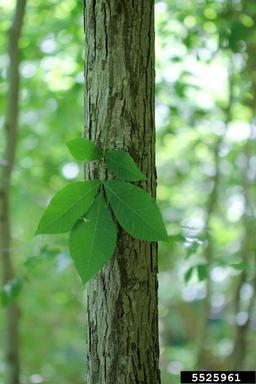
{"x":11,"y":332}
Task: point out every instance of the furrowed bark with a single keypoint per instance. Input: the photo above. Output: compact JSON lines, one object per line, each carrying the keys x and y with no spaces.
{"x":11,"y":348}
{"x":123,"y":342}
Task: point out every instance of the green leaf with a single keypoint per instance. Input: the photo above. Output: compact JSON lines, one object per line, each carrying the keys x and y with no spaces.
{"x":93,"y":239}
{"x":179,"y":238}
{"x":202,"y":271}
{"x":122,"y":165}
{"x":135,"y":211}
{"x":188,"y":274}
{"x":240,"y":266}
{"x":67,"y":206}
{"x":82,"y":149}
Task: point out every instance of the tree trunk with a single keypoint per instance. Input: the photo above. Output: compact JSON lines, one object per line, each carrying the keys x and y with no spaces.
{"x":248,"y":250}
{"x":248,"y":256}
{"x":123,"y":344}
{"x":11,"y":348}
{"x":202,"y":361}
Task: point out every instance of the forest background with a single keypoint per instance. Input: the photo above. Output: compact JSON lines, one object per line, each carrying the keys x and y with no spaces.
{"x":206,"y":163}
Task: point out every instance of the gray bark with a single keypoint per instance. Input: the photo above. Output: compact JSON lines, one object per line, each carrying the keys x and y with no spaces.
{"x":11,"y":348}
{"x":123,"y":342}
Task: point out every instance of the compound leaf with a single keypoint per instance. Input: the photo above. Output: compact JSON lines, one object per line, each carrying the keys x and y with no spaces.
{"x":93,"y":239}
{"x":135,"y":211}
{"x":67,"y":206}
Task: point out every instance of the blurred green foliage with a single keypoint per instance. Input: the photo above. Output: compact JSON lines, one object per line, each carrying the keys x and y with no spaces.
{"x":206,"y":160}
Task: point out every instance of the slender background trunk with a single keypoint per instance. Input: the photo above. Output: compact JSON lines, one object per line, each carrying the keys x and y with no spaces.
{"x":12,"y":312}
{"x":248,"y":276}
{"x":248,"y":257}
{"x":248,"y":250}
{"x":123,"y":342}
{"x":202,"y":361}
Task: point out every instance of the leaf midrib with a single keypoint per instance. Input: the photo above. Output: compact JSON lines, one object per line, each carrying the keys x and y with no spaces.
{"x":95,"y":230}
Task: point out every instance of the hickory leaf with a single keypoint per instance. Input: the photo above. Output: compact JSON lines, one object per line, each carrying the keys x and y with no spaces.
{"x":122,"y":165}
{"x":83,"y":149}
{"x":93,"y":239}
{"x":67,"y":206}
{"x":135,"y":211}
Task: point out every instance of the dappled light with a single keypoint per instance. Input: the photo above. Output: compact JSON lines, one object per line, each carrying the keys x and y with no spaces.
{"x":205,"y":89}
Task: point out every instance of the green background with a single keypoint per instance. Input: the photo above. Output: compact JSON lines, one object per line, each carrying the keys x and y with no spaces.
{"x":205,"y":110}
